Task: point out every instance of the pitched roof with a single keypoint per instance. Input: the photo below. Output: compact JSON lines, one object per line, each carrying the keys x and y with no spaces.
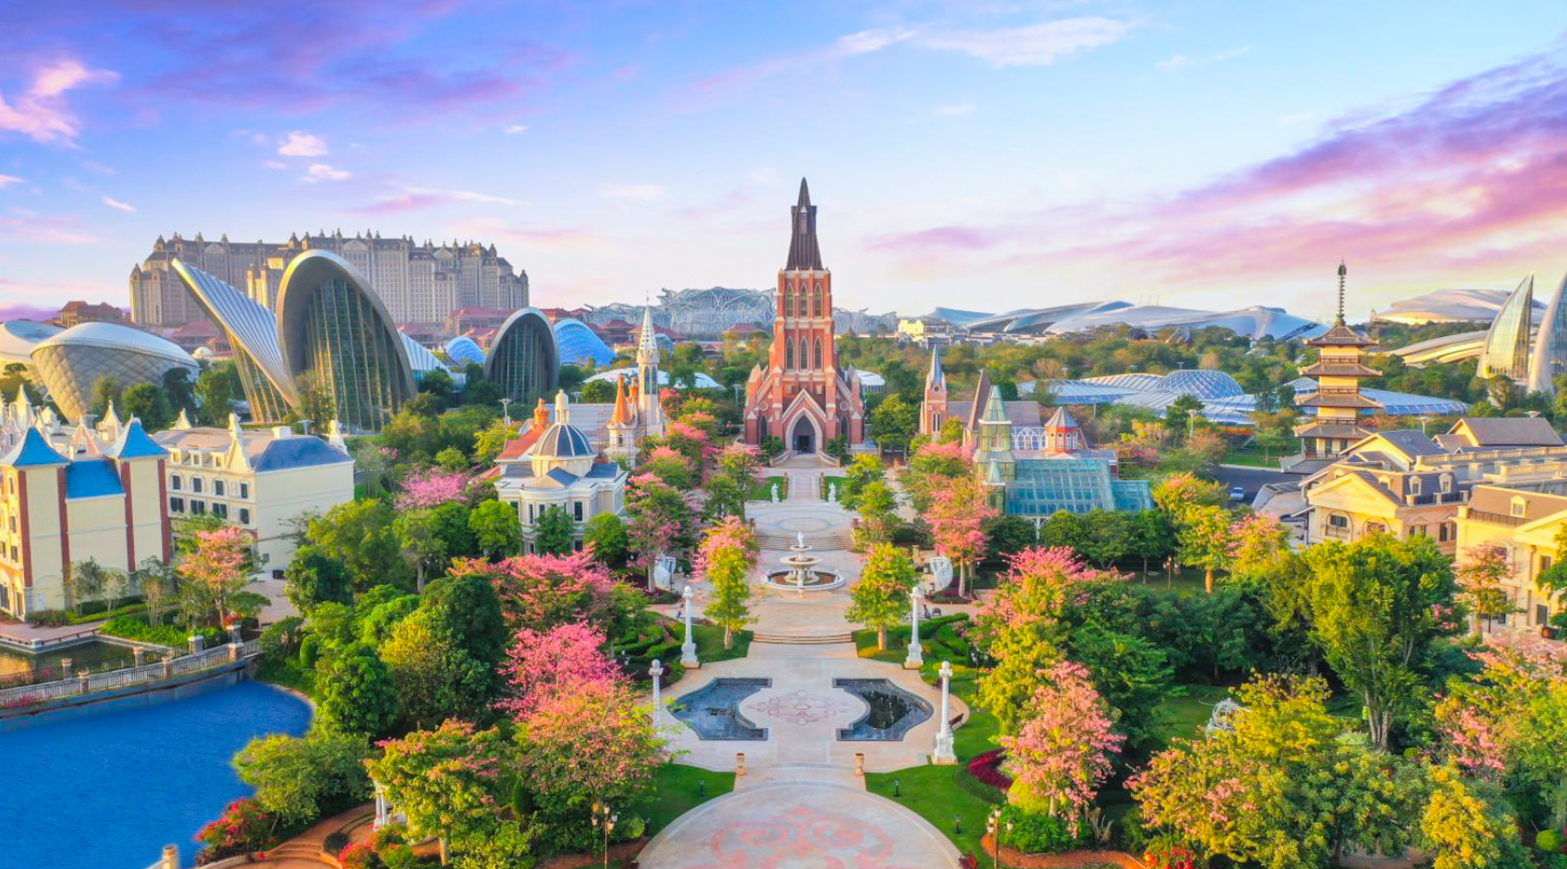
{"x":91,"y":478}
{"x":32,"y":451}
{"x":298,"y":452}
{"x":1062,"y":418}
{"x":1499,"y":500}
{"x":804,"y":253}
{"x":135,"y":443}
{"x":1507,"y":431}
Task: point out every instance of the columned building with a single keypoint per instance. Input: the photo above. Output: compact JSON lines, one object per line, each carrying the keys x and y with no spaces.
{"x":802,"y":397}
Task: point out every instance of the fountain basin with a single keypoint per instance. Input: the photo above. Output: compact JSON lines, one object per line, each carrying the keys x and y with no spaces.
{"x":892,"y":711}
{"x":815,"y":580}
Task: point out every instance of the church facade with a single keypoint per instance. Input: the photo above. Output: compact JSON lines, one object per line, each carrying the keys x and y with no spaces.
{"x":802,"y":397}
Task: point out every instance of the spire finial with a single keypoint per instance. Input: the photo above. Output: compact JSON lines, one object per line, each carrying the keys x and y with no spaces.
{"x":1342,"y":271}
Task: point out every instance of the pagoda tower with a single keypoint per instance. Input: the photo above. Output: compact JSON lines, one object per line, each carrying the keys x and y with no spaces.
{"x":1340,"y":366}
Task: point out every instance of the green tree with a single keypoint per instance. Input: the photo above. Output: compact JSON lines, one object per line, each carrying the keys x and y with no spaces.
{"x":471,"y":613}
{"x":435,"y":677}
{"x":730,"y":606}
{"x":880,"y":600}
{"x":554,"y":533}
{"x":597,"y":392}
{"x":496,"y":531}
{"x":1465,"y":827}
{"x":1152,"y":537}
{"x":1375,"y":610}
{"x":894,"y":422}
{"x":491,"y":440}
{"x":878,"y":508}
{"x":217,"y":389}
{"x":86,"y":581}
{"x":150,"y":404}
{"x":863,"y":471}
{"x":1130,"y":673}
{"x":451,"y":459}
{"x":106,"y":391}
{"x":606,"y":534}
{"x":314,"y":576}
{"x":1181,"y":412}
{"x":355,"y":693}
{"x":180,"y":390}
{"x":416,"y":531}
{"x":1204,"y":541}
{"x":360,"y":534}
{"x":300,"y":779}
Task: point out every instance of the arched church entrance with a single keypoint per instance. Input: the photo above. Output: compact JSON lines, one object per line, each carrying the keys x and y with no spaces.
{"x":803,"y":438}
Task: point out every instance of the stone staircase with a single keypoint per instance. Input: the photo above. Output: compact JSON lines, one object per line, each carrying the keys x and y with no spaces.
{"x":825,"y":639}
{"x":838,"y":539}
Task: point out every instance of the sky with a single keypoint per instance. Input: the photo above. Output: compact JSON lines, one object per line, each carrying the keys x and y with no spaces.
{"x":985,"y":155}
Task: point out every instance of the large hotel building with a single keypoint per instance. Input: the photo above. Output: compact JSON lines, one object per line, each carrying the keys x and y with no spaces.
{"x":417,"y":283}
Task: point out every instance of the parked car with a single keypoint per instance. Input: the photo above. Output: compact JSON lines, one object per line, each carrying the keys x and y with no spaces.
{"x":1237,"y":493}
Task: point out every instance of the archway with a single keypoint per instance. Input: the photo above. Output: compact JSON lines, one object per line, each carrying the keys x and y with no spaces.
{"x":803,"y":438}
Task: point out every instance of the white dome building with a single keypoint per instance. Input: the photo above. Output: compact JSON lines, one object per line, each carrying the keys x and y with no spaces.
{"x":70,"y":363}
{"x":553,"y":465}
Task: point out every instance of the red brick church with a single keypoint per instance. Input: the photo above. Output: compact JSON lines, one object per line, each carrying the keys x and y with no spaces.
{"x":802,"y":396}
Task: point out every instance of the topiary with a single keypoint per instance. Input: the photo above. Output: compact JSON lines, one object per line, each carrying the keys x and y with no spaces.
{"x":1548,"y":840}
{"x":334,"y":842}
{"x":630,"y":828}
{"x":309,"y":651}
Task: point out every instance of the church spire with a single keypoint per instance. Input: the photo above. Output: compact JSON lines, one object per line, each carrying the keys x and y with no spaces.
{"x":935,"y":378}
{"x":647,"y":342}
{"x":1342,"y":272}
{"x":803,"y":252}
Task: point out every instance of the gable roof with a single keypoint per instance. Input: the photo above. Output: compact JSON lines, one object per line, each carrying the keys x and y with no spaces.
{"x":135,"y":443}
{"x":298,"y":452}
{"x":1506,"y":431}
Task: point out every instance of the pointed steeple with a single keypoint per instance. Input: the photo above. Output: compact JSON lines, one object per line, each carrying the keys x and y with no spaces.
{"x":184,"y":420}
{"x":1343,"y":271}
{"x":935,"y":378}
{"x":804,"y":254}
{"x":995,"y":407}
{"x":562,"y":408}
{"x":111,"y":422}
{"x":621,"y":415}
{"x":647,"y":342}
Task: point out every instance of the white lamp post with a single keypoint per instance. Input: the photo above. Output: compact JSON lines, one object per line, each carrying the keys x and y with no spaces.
{"x":944,"y":753}
{"x":656,"y":671}
{"x":688,"y":656}
{"x":914,"y":661}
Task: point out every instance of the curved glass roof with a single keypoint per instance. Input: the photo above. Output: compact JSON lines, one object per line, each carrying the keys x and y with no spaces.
{"x":420,"y":358}
{"x":113,"y":336}
{"x":1506,"y":348}
{"x":702,"y":380}
{"x":463,"y":350}
{"x":251,"y":328}
{"x":19,"y":337}
{"x":563,"y":440}
{"x":1202,"y":383}
{"x":523,"y":359}
{"x":574,"y":341}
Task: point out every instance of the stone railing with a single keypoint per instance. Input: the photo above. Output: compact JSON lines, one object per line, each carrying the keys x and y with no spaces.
{"x":168,"y":668}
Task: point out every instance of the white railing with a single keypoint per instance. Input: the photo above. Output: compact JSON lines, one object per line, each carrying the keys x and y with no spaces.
{"x":26,"y":695}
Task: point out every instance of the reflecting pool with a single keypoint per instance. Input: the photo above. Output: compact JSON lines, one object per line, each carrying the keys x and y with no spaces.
{"x":713,"y":710}
{"x":893,"y":711}
{"x":109,"y":790}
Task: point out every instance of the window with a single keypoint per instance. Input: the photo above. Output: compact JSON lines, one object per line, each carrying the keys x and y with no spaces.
{"x":576,"y":510}
{"x":220,"y":510}
{"x":176,"y":505}
{"x":1542,"y":613}
{"x":244,"y":515}
{"x":198,"y":507}
{"x":1418,"y":531}
{"x":1518,"y":508}
{"x":175,"y":482}
{"x":217,"y":487}
{"x":1337,"y":521}
{"x":819,"y":361}
{"x":1414,"y":485}
{"x":244,"y":490}
{"x":195,"y":484}
{"x":1442,"y":533}
{"x":1545,"y":563}
{"x":1447,"y":483}
{"x":788,"y":354}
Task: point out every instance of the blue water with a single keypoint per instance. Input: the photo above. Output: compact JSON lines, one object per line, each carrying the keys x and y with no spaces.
{"x":893,"y":711}
{"x":109,"y":790}
{"x":713,"y":710}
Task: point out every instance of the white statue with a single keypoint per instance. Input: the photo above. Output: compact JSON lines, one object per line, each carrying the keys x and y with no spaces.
{"x":799,"y":538}
{"x":775,"y":493}
{"x":832,"y":493}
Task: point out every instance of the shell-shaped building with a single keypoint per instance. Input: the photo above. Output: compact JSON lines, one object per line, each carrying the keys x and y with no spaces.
{"x":522,"y":360}
{"x":575,"y":342}
{"x":251,"y":331}
{"x":71,"y":362}
{"x":19,"y":337}
{"x":1506,"y":349}
{"x":463,"y":350}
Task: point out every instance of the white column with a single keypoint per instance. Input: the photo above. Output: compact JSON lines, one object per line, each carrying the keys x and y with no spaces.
{"x":944,"y":753}
{"x":656,"y":671}
{"x":914,"y":661}
{"x":688,"y":656}
{"x":380,"y":808}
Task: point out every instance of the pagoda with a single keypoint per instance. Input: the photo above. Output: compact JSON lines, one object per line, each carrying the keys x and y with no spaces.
{"x":1340,"y":366}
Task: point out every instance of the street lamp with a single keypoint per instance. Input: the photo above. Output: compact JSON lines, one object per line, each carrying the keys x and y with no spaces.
{"x":602,"y":816}
{"x":991,"y":824}
{"x":506,"y":411}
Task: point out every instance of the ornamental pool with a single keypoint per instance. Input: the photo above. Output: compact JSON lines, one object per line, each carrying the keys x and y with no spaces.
{"x":109,"y":790}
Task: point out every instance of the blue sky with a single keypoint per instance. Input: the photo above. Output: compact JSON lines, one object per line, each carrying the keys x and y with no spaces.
{"x":982,"y":155}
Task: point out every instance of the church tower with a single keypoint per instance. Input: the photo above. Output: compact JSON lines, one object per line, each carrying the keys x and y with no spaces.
{"x":649,"y":412}
{"x":933,"y":410}
{"x":623,"y":442}
{"x":802,"y":397}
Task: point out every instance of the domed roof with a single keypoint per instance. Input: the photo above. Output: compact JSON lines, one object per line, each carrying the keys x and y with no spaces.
{"x":113,"y":336}
{"x":565,"y":441}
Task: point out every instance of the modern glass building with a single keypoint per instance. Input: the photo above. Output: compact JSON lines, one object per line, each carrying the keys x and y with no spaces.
{"x":522,"y":360}
{"x":1550,"y":345}
{"x":1506,"y":348}
{"x":463,"y":350}
{"x":575,"y":343}
{"x":335,"y":334}
{"x":251,"y":331}
{"x":70,"y":363}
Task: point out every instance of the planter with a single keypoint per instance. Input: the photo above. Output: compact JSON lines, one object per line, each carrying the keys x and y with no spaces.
{"x":1063,"y":860}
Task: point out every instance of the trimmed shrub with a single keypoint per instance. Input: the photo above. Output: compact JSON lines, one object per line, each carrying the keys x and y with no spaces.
{"x":1036,"y":833}
{"x":49,"y":618}
{"x":334,"y":842}
{"x":1548,"y":840}
{"x":136,"y":628}
{"x":309,"y":651}
{"x":244,"y":827}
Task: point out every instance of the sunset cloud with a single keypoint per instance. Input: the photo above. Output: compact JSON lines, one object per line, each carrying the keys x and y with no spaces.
{"x":323,"y":172}
{"x":118,"y":205}
{"x":41,"y":112}
{"x":297,"y":144}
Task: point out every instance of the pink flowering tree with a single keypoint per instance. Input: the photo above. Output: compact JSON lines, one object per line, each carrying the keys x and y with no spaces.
{"x":591,"y":743}
{"x":658,"y":517}
{"x":453,"y":783}
{"x":562,"y":658}
{"x":726,"y":555}
{"x":538,"y":592}
{"x":669,"y":465}
{"x":957,"y":516}
{"x":1023,"y":628}
{"x":216,"y":567}
{"x":689,"y":441}
{"x":1062,"y":753}
{"x":1480,"y":571}
{"x":432,"y":487}
{"x":932,"y":468}
{"x":1255,"y":544}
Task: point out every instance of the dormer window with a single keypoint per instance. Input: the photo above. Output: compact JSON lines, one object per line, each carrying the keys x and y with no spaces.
{"x":1414,"y":485}
{"x":1519,"y":506}
{"x":1447,"y":483}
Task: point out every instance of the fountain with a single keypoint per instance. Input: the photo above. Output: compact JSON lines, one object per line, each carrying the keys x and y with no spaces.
{"x":802,"y":575}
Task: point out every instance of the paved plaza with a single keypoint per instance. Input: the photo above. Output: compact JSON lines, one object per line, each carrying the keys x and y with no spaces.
{"x":800,"y":803}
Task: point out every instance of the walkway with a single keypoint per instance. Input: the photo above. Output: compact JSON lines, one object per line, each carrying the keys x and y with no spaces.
{"x":303,"y":851}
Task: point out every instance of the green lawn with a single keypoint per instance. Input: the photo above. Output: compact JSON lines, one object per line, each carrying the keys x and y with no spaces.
{"x":1184,"y":716}
{"x":677,"y":786}
{"x":710,"y":644}
{"x":1253,"y":458}
{"x":763,"y":489}
{"x":829,"y":482}
{"x":933,"y":794}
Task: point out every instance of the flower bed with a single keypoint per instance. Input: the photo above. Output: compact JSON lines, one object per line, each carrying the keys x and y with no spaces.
{"x":1064,"y":860}
{"x":986,"y":768}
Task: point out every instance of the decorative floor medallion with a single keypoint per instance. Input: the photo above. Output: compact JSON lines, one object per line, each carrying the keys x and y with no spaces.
{"x":798,"y":707}
{"x":802,"y":837}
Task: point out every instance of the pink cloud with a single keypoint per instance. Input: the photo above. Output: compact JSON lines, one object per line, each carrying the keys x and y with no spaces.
{"x":48,"y":229}
{"x":948,"y":237}
{"x":41,"y":113}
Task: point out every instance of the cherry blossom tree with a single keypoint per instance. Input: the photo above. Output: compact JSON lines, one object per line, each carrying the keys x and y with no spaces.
{"x":1062,"y":753}
{"x":957,"y":516}
{"x":591,"y":743}
{"x":1480,"y":573}
{"x":432,"y":487}
{"x":657,"y":518}
{"x":539,"y":592}
{"x":1256,"y":542}
{"x":932,"y":467}
{"x":218,"y":566}
{"x":564,"y":657}
{"x":725,"y":557}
